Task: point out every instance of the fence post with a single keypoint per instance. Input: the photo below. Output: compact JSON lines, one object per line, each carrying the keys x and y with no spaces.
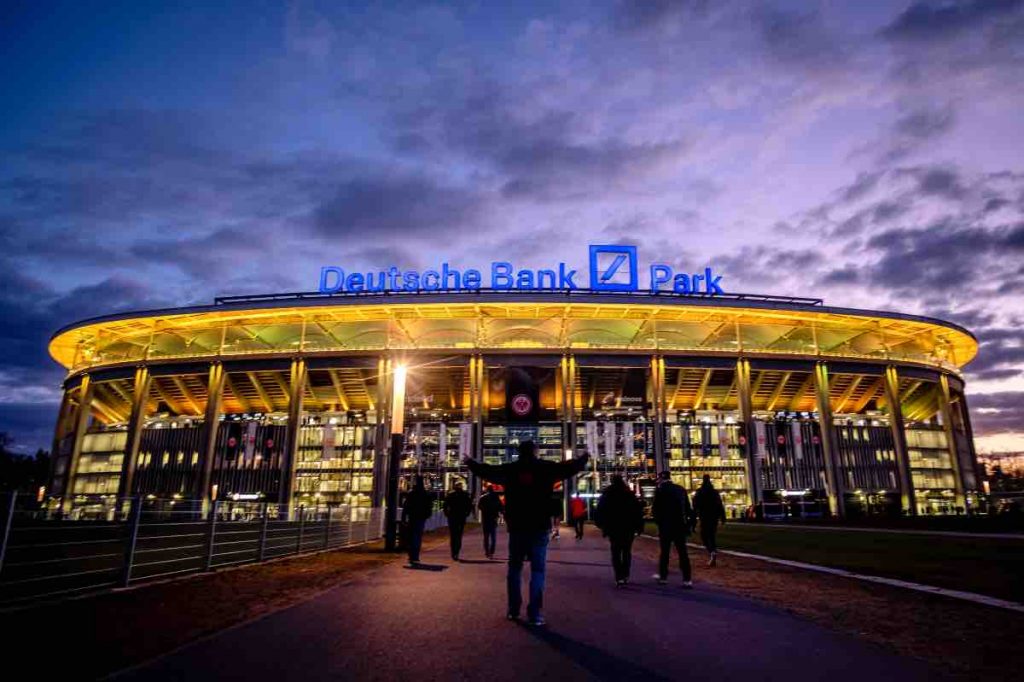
{"x":134,"y":518}
{"x":366,"y":530}
{"x":302,"y":525}
{"x":6,"y":533}
{"x":327,"y":528}
{"x":263,"y":533}
{"x":211,"y":535}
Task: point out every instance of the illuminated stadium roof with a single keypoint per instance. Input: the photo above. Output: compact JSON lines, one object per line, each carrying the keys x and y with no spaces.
{"x":581,"y":321}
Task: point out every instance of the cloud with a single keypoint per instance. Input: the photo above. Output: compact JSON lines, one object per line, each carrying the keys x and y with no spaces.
{"x":1001,"y":412}
{"x":926,"y":21}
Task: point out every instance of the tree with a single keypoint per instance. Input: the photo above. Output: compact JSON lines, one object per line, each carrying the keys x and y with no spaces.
{"x":23,"y":473}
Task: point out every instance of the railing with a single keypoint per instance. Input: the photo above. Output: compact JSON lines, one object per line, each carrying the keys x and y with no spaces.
{"x":42,"y":557}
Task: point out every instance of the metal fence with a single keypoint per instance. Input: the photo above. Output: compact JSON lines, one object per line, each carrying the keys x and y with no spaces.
{"x":46,"y":557}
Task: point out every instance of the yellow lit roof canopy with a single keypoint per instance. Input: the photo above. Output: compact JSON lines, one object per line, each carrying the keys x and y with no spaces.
{"x":535,"y":322}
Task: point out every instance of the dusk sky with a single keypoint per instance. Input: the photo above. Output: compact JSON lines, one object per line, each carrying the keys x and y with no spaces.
{"x":867,"y":153}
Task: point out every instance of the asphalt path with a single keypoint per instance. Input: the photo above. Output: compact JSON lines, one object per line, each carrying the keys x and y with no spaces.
{"x":447,"y":622}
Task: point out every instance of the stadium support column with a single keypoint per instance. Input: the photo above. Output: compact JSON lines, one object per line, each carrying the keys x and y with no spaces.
{"x":562,"y":387}
{"x":474,"y":409}
{"x":753,"y":471}
{"x":833,"y":467}
{"x":395,"y":456}
{"x":658,"y":395}
{"x":297,"y":388}
{"x":211,"y":421}
{"x":85,"y":392}
{"x":899,"y":439}
{"x":381,"y":432}
{"x":140,"y":397}
{"x":947,"y":425}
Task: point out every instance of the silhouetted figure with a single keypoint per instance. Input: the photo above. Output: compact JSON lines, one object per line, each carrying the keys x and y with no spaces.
{"x":556,"y":515}
{"x":528,"y":484}
{"x":417,"y":509}
{"x":456,"y":507}
{"x":672,"y":512}
{"x":578,"y":513}
{"x":707,"y":503}
{"x":620,"y":516}
{"x":490,"y":510}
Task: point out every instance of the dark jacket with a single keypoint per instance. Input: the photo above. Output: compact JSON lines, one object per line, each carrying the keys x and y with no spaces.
{"x":708,"y":504}
{"x":671,"y":509}
{"x":457,"y":506}
{"x":528,"y":486}
{"x":418,"y":506}
{"x":490,"y":507}
{"x":619,"y":512}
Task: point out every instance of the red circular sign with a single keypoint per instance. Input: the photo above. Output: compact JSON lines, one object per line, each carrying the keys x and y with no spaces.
{"x":743,"y":440}
{"x":815,"y":440}
{"x":232,"y":442}
{"x":521,"y":404}
{"x":780,"y":440}
{"x":270,"y":443}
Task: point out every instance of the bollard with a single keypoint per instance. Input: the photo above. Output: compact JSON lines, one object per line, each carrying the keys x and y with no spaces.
{"x":211,"y":535}
{"x":134,"y":519}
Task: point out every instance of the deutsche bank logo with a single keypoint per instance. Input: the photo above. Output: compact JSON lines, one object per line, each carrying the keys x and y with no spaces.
{"x":613,"y":268}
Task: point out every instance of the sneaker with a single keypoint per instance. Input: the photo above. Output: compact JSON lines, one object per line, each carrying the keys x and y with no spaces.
{"x":511,"y":616}
{"x":687,"y":584}
{"x":660,"y":580}
{"x":713,"y":560}
{"x":538,"y":620}
{"x":620,"y":583}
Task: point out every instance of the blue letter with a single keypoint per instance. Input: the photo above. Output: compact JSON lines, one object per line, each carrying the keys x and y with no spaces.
{"x":447,"y":273}
{"x":394,"y":279}
{"x":325,"y":273}
{"x":712,"y":284}
{"x":501,"y":275}
{"x":565,"y":278}
{"x":431,"y":280}
{"x":545,"y":279}
{"x":659,"y":275}
{"x":412,"y":281}
{"x":471,"y":280}
{"x":525,"y":279}
{"x":355,"y":282}
{"x":682,"y":284}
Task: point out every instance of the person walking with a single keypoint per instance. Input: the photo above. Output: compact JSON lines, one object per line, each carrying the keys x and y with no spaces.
{"x":457,"y":506}
{"x":620,"y":516}
{"x":707,"y":503}
{"x":490,"y":509}
{"x":556,"y":515}
{"x":417,"y":509}
{"x":578,"y":512}
{"x":674,"y":517}
{"x":528,"y":484}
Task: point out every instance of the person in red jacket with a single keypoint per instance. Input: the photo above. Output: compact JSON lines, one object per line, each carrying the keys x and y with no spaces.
{"x":578,"y":513}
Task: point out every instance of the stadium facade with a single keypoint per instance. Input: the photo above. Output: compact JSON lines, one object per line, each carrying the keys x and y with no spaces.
{"x":786,"y":403}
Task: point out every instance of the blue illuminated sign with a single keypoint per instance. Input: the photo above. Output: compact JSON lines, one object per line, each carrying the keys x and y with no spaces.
{"x":612,"y":268}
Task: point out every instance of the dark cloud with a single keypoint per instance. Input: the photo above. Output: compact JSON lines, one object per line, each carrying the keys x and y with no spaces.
{"x":387,"y":207}
{"x":797,"y":38}
{"x":1000,"y":412}
{"x":641,"y":15}
{"x":930,"y":21}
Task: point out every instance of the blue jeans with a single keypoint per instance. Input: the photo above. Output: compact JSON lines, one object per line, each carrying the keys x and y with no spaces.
{"x":532,"y":545}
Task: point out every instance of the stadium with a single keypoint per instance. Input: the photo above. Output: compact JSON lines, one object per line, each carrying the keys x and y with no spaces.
{"x":790,"y":406}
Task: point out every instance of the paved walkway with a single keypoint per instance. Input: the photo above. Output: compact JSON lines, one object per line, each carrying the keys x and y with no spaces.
{"x":448,"y":623}
{"x":897,"y":531}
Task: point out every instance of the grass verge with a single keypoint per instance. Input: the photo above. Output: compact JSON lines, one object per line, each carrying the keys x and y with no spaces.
{"x":94,"y":636}
{"x":969,"y":640}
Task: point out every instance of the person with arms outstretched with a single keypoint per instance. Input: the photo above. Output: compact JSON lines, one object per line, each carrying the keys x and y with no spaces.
{"x":528,"y":484}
